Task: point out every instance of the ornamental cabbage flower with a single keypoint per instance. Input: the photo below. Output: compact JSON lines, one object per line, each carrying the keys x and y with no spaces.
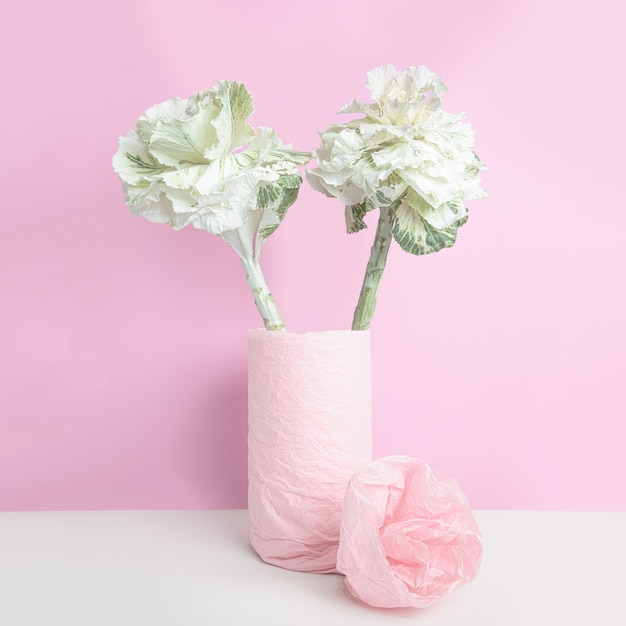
{"x":408,"y":536}
{"x":407,"y":158}
{"x":198,"y":162}
{"x":404,"y":152}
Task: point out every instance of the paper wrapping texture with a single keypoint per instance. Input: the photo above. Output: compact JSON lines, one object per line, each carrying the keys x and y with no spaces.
{"x":309,"y":420}
{"x":408,"y":535}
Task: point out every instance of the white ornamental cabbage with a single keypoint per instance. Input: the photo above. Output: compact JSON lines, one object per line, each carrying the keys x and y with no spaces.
{"x":406,"y":153}
{"x":198,"y":162}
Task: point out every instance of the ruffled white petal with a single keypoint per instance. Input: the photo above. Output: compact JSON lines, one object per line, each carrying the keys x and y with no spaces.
{"x":406,"y":138}
{"x":198,"y":162}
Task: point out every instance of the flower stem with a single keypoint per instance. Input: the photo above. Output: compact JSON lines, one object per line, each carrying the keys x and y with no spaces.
{"x":375,"y":267}
{"x":262,"y":297}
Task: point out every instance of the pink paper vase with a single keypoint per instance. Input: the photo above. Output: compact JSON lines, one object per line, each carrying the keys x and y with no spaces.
{"x":309,"y":420}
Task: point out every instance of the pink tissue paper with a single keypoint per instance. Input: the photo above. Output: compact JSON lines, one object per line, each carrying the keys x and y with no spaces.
{"x":408,"y":536}
{"x":309,"y":421}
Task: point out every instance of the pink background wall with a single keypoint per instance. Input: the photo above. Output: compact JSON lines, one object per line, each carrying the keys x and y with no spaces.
{"x":123,"y":343}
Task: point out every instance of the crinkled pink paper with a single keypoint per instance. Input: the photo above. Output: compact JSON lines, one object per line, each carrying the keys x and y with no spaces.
{"x":309,"y":420}
{"x":408,"y":535}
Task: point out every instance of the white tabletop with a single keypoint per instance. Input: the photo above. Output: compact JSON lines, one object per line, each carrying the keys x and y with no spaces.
{"x":188,"y":568}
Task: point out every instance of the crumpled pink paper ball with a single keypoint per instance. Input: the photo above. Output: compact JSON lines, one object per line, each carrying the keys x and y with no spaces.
{"x":408,"y":536}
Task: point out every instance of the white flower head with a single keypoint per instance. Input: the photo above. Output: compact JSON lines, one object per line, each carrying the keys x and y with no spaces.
{"x":404,"y":152}
{"x":198,"y":162}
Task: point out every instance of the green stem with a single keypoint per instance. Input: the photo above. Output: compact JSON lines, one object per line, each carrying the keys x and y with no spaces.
{"x":375,"y":267}
{"x":262,"y":297}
